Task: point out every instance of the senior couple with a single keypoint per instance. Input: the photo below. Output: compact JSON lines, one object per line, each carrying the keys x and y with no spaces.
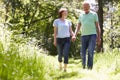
{"x":90,"y":32}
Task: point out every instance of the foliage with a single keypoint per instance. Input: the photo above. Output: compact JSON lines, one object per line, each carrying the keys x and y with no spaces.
{"x":34,"y":18}
{"x":30,"y":25}
{"x":111,"y":28}
{"x":20,"y":61}
{"x":24,"y":61}
{"x":106,"y":67}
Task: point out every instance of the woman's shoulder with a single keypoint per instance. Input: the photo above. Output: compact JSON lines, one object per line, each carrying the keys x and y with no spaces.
{"x":56,"y":20}
{"x":68,"y":20}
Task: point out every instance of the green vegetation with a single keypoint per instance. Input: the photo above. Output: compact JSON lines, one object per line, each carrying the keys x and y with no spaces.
{"x":20,"y":61}
{"x":25,"y":61}
{"x":26,"y":38}
{"x":34,"y":19}
{"x":106,"y":67}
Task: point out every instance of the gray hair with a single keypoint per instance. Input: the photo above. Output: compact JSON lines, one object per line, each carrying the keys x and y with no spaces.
{"x":86,"y":2}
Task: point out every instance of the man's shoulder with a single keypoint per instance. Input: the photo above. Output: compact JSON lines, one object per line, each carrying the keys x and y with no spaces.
{"x":92,"y":12}
{"x":81,"y":13}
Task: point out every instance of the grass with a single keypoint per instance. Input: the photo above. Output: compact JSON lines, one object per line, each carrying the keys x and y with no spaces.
{"x":25,"y":61}
{"x":106,"y":67}
{"x":21,"y":61}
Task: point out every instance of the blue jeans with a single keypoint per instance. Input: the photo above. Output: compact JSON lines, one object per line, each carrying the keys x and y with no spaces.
{"x":88,"y":43}
{"x":63,"y":47}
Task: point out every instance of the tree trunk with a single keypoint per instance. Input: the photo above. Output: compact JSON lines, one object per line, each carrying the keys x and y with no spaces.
{"x":100,"y":15}
{"x":6,"y":10}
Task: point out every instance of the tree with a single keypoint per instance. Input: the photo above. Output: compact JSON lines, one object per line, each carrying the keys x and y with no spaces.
{"x":100,"y":14}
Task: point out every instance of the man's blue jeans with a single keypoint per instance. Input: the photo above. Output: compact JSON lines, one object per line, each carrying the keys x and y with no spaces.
{"x":63,"y":47}
{"x":88,"y":43}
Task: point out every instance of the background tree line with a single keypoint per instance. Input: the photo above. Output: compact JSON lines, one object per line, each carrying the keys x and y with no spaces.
{"x":34,"y":18}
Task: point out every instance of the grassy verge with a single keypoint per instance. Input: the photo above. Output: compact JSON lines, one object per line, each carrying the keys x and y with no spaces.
{"x":24,"y":61}
{"x":106,"y":67}
{"x":21,"y":61}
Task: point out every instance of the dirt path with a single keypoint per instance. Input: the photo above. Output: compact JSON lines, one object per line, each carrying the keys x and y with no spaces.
{"x":75,"y":72}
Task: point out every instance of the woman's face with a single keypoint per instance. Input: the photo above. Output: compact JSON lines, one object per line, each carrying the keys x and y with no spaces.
{"x":64,"y":14}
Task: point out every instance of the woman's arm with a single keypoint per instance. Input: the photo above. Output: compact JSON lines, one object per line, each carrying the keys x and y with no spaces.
{"x":55,"y":34}
{"x":71,"y":32}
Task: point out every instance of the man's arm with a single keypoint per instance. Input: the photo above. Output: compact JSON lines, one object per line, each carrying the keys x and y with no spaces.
{"x":77,"y":29}
{"x":76,"y":32}
{"x":98,"y":33}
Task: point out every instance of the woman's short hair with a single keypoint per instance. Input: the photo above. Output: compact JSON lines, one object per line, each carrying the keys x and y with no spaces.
{"x":61,"y":10}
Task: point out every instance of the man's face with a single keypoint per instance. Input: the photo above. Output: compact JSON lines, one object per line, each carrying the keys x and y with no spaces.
{"x":86,"y":7}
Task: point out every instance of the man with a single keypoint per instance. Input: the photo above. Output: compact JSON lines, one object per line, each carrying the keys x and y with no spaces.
{"x":90,"y":31}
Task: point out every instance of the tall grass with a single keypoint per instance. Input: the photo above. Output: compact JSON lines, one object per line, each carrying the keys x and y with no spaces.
{"x":108,"y":63}
{"x":20,"y":61}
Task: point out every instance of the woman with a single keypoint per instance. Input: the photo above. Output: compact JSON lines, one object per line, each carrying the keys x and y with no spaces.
{"x":62,"y":32}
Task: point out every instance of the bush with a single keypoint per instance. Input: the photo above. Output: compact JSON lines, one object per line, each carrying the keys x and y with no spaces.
{"x":20,"y":61}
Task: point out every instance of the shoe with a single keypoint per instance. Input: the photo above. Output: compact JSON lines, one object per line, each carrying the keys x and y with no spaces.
{"x":83,"y":67}
{"x":60,"y":68}
{"x":90,"y":68}
{"x":65,"y":70}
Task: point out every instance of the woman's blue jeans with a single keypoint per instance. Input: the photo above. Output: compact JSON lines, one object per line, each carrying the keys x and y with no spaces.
{"x":63,"y":47}
{"x":88,"y":44}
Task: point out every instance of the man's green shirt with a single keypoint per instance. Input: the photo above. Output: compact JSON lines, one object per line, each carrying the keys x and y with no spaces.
{"x":87,"y":21}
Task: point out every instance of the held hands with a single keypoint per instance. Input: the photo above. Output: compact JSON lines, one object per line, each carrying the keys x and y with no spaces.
{"x":54,"y":43}
{"x":73,"y":38}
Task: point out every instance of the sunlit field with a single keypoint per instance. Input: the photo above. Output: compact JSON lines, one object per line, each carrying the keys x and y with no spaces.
{"x":25,"y":61}
{"x":106,"y":67}
{"x":27,"y":38}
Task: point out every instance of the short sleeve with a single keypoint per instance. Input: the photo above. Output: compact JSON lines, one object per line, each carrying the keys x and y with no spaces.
{"x":96,"y":17}
{"x":70,"y":24}
{"x":79,"y":19}
{"x":55,"y":23}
